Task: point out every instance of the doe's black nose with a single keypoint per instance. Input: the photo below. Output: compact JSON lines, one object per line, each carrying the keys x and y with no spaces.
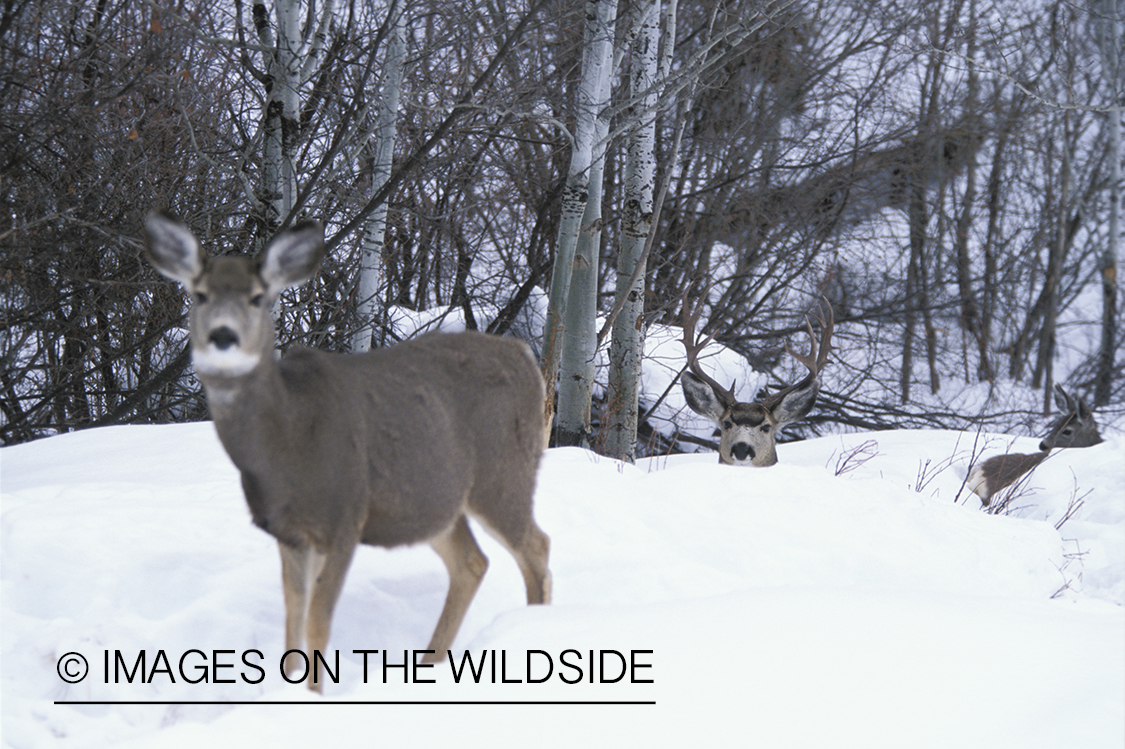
{"x":223,"y":337}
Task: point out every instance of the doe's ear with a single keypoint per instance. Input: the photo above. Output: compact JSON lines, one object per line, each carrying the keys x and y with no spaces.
{"x":172,"y":249}
{"x":1085,"y":413}
{"x":701,"y":397}
{"x":1063,"y":401}
{"x":292,"y":257}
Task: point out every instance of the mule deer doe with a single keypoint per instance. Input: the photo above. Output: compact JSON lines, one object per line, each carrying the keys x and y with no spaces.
{"x":749,"y":430}
{"x":388,"y":448}
{"x":1075,"y":428}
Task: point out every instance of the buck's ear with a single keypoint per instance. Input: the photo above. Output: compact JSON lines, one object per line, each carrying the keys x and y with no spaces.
{"x":795,"y":405}
{"x":701,"y":397}
{"x":172,"y":249}
{"x":292,"y":257}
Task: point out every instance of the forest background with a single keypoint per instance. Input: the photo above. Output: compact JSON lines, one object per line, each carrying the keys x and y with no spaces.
{"x":946,"y":174}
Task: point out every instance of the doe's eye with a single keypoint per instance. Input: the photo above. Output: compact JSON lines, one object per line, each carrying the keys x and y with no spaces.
{"x":257,"y":300}
{"x":199,"y":297}
{"x":728,"y":425}
{"x":765,"y":428}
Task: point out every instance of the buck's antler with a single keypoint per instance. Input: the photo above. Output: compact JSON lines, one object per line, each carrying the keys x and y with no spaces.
{"x":817,"y":356}
{"x":688,"y":318}
{"x":748,"y":431}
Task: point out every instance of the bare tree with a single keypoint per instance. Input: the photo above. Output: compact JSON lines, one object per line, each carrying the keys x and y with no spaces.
{"x":1109,"y":38}
{"x":371,"y":262}
{"x":290,"y":53}
{"x":935,"y":174}
{"x":627,"y":346}
{"x":592,"y":100}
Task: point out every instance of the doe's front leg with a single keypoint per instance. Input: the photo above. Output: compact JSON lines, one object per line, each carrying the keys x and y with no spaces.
{"x":312,"y":581}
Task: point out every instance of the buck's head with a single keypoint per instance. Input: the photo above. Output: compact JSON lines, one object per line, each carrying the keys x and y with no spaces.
{"x":232,"y":330}
{"x":1075,"y":428}
{"x":749,"y":430}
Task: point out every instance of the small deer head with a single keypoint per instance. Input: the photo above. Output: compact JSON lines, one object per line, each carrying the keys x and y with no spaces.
{"x":1075,"y":428}
{"x":749,"y":430}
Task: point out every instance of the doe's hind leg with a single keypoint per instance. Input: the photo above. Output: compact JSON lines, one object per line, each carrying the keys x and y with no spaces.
{"x":532,"y":556}
{"x":531,"y":548}
{"x":466,"y":565}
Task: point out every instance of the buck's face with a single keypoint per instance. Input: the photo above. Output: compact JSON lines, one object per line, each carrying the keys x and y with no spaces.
{"x":748,"y":430}
{"x":747,"y":436}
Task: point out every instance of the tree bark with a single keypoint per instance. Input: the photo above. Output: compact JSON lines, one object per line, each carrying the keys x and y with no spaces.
{"x":972,"y":320}
{"x":627,"y":346}
{"x":576,"y":372}
{"x":1110,"y":41}
{"x":289,"y":65}
{"x":1044,"y":367}
{"x":372,"y":268}
{"x":593,"y":98}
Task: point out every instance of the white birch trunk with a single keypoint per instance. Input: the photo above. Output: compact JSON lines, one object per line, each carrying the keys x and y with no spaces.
{"x":289,"y":65}
{"x":627,"y":346}
{"x":371,"y":264}
{"x":280,"y":121}
{"x":593,"y":98}
{"x":579,"y":349}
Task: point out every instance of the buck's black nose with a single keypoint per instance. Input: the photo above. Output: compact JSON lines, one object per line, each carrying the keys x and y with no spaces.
{"x":223,"y":337}
{"x":741,"y":450}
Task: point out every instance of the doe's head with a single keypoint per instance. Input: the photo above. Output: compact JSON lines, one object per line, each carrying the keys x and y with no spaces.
{"x":1075,"y":428}
{"x":232,"y":330}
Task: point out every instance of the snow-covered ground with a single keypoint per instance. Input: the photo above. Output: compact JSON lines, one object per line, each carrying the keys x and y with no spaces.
{"x":851,"y":596}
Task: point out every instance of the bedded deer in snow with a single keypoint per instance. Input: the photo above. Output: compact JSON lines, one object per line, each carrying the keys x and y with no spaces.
{"x":749,"y":430}
{"x":1075,"y":428}
{"x":387,"y":448}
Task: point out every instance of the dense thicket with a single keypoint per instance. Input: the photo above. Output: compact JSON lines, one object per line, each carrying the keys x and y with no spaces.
{"x":941,"y":172}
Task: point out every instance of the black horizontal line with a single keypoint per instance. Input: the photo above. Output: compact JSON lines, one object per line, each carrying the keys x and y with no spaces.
{"x":355,"y":702}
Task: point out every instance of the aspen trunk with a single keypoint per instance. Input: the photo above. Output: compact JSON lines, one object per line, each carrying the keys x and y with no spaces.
{"x":371,"y":262}
{"x":593,"y":98}
{"x":627,"y":346}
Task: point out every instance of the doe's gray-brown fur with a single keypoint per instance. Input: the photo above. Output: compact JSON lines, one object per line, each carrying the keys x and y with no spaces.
{"x":396,"y":446}
{"x":1075,"y":428}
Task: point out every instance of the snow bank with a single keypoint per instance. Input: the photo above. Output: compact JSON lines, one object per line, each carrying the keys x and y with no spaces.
{"x":852,"y":596}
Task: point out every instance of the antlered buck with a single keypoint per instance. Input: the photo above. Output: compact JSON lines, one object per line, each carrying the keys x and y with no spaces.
{"x":749,"y":430}
{"x":1075,"y":428}
{"x":392,"y":447}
